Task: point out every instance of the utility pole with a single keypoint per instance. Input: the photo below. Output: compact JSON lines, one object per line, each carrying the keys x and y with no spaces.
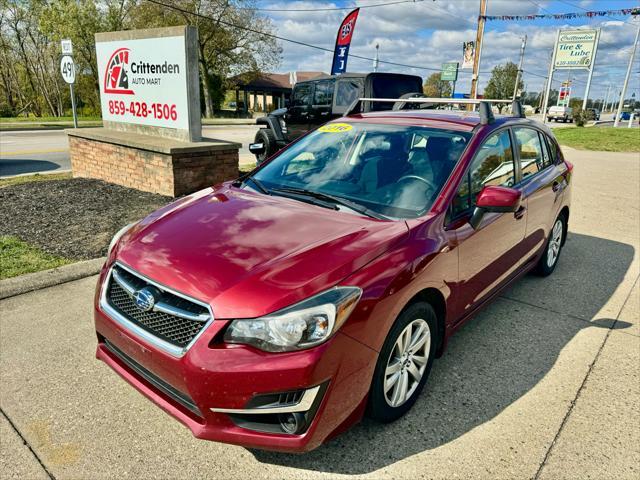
{"x":376,"y":60}
{"x":478,"y":51}
{"x":606,"y":99}
{"x":522,"y":47}
{"x":550,"y":78}
{"x":626,"y":79}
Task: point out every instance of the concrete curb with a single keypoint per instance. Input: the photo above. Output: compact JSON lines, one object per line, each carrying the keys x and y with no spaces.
{"x":49,"y":278}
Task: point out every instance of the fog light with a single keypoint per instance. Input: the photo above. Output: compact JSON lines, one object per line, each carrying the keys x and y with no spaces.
{"x":291,"y":423}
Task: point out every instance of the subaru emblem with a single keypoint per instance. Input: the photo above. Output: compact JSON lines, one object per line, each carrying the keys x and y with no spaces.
{"x":145,"y":299}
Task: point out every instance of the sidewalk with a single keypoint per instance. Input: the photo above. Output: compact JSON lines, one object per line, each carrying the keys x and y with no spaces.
{"x":544,"y":383}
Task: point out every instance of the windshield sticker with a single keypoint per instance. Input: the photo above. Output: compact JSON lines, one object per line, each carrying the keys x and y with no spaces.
{"x":335,"y":128}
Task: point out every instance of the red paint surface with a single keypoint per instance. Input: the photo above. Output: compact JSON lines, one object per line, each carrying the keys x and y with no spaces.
{"x":248,"y":254}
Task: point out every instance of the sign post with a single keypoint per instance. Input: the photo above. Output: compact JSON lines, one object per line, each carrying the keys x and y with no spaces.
{"x":68,"y":71}
{"x":574,"y":49}
{"x":595,"y":51}
{"x":449,"y":73}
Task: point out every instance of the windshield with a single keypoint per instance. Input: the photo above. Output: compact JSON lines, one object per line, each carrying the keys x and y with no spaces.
{"x":394,"y":86}
{"x":394,"y":171}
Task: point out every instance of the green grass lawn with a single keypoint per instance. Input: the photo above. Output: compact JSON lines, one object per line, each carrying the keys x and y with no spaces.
{"x":5,"y":182}
{"x":605,"y":139}
{"x":247,"y":167}
{"x":18,"y":258}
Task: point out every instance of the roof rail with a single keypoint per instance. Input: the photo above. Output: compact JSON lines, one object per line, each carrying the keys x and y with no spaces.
{"x":484,"y":105}
{"x":517,"y":110}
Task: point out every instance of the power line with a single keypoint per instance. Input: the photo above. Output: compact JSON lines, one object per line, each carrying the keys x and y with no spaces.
{"x":284,"y":39}
{"x":327,"y":9}
{"x":304,"y":44}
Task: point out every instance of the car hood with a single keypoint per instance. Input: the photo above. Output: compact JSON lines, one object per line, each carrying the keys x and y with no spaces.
{"x":249,"y":254}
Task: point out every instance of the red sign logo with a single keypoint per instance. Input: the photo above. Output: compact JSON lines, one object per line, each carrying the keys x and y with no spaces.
{"x":115,"y":76}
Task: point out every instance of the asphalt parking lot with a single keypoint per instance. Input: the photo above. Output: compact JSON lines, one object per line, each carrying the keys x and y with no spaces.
{"x":544,"y":383}
{"x":42,"y":151}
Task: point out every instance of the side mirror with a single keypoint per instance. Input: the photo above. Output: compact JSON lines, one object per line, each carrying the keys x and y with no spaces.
{"x":495,"y":199}
{"x":257,"y":148}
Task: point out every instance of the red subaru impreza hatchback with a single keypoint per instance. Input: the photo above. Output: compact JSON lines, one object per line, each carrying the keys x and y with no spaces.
{"x":276,"y":310}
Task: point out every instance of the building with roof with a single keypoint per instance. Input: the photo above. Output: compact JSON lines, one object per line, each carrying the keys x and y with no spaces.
{"x":264,"y":92}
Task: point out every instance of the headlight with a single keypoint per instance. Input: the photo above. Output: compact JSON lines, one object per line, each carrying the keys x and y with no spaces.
{"x":118,"y":236}
{"x":283,"y":125}
{"x":300,"y":326}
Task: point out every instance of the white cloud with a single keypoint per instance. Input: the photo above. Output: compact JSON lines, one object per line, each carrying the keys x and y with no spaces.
{"x":431,"y":32}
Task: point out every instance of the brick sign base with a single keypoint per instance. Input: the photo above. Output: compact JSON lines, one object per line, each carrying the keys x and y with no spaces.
{"x":152,"y":164}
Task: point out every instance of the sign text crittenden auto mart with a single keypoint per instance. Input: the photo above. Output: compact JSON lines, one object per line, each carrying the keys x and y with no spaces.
{"x":144,"y":81}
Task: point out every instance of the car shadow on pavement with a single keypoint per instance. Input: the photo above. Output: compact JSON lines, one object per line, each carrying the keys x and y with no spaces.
{"x":17,"y":167}
{"x":494,"y":360}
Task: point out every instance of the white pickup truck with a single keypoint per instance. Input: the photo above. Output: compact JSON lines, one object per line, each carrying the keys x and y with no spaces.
{"x":560,"y":113}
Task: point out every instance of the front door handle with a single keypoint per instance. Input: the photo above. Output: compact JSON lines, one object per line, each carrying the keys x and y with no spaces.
{"x":520,"y":213}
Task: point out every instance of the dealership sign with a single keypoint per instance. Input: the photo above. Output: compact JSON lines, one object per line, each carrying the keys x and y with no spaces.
{"x":146,"y":81}
{"x":449,"y":72}
{"x":575,"y":48}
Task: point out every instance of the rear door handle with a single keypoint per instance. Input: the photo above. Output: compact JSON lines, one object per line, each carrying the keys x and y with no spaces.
{"x":520,"y":213}
{"x":557,"y":186}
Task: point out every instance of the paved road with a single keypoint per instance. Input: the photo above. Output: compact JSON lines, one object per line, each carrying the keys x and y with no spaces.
{"x":48,"y":150}
{"x":543,"y":383}
{"x":33,"y":151}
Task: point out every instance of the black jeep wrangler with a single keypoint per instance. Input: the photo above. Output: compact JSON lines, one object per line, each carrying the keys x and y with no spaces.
{"x":317,"y":101}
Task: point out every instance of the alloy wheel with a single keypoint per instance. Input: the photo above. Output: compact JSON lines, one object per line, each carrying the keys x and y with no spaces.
{"x":555,"y":242}
{"x":407,"y":362}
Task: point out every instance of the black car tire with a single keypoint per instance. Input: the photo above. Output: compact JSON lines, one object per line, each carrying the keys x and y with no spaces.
{"x":266,"y":136}
{"x":543,"y":268}
{"x":379,"y":407}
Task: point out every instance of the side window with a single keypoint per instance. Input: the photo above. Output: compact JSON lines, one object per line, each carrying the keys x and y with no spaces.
{"x":323,"y":94}
{"x":546,"y":155}
{"x":531,"y":156}
{"x":492,"y":165}
{"x":346,"y":92}
{"x":551,"y":145}
{"x":301,"y":94}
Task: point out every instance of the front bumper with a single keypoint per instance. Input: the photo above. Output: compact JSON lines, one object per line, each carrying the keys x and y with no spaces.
{"x":214,"y":375}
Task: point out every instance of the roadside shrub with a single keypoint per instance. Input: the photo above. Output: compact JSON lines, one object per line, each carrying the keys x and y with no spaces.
{"x":589,"y":114}
{"x":579,"y":116}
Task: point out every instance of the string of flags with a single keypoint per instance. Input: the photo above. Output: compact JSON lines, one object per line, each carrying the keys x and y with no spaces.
{"x":564,"y":16}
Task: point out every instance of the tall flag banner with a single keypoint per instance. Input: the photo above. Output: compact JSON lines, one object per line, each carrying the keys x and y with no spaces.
{"x":468,"y":52}
{"x":343,"y":41}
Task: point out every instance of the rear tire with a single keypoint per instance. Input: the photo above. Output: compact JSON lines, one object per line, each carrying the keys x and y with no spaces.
{"x":266,"y":136}
{"x":547,"y":263}
{"x":404,"y":363}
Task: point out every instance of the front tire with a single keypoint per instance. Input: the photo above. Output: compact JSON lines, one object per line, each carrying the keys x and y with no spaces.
{"x":547,"y":263}
{"x":404,"y":363}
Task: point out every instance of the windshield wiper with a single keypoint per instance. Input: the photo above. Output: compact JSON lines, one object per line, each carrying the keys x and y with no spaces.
{"x":242,"y":179}
{"x":356,"y":207}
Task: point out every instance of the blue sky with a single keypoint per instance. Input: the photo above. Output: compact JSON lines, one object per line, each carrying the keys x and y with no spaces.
{"x":429,"y":32}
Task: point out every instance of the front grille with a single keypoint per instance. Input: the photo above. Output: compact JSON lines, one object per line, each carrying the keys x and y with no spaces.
{"x":173,"y":329}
